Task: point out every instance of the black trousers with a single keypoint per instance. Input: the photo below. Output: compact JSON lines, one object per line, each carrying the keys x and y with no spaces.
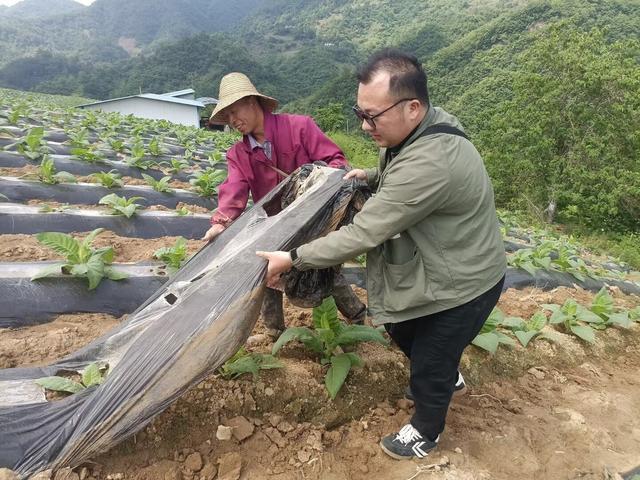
{"x":434,"y":345}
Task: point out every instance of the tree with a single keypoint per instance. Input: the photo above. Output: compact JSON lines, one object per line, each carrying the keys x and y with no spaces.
{"x":570,"y":135}
{"x":331,"y":117}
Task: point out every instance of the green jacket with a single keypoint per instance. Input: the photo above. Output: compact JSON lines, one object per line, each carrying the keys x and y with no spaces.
{"x":430,"y":231}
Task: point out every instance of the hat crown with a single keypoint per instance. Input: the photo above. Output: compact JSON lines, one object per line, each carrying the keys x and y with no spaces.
{"x":233,"y":87}
{"x":236,"y":83}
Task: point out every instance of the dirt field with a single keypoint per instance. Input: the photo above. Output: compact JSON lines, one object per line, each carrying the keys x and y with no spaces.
{"x":557,"y":410}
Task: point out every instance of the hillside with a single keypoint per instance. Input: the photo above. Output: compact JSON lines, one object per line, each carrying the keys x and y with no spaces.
{"x":27,"y":9}
{"x":488,"y":62}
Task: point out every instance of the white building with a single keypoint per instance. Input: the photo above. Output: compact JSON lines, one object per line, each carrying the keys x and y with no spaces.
{"x":177,"y":107}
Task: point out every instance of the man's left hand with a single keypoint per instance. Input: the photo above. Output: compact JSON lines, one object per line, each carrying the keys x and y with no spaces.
{"x":279,"y":262}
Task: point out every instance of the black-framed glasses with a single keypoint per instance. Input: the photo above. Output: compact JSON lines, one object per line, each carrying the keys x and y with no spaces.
{"x":370,"y":119}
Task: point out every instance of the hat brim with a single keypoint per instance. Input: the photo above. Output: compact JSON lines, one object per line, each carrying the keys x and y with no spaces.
{"x":217,"y":116}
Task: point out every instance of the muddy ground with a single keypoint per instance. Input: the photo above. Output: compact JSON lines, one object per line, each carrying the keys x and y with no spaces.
{"x":556,"y":410}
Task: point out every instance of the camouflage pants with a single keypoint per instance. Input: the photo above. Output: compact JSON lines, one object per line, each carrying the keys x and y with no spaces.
{"x":346,"y":300}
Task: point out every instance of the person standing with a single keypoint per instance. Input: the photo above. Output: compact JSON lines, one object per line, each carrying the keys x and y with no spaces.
{"x":435,"y":256}
{"x":272,"y":147}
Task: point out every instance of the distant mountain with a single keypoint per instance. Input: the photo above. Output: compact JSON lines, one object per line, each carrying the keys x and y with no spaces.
{"x":111,"y":29}
{"x":29,"y":9}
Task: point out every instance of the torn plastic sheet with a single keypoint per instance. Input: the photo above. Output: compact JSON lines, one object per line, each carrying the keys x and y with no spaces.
{"x":183,"y":332}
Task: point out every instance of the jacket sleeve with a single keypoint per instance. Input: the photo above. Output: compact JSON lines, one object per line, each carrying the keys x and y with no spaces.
{"x":319,"y":147}
{"x":233,"y":193}
{"x":414,"y":186}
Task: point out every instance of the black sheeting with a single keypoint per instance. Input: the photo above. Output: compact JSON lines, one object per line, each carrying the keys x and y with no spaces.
{"x":183,"y":332}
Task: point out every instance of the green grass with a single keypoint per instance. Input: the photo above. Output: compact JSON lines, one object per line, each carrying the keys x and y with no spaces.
{"x":626,"y":247}
{"x":57,"y":100}
{"x":360,"y":151}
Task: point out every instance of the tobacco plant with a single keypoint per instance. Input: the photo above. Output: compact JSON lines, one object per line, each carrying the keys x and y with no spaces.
{"x":121,"y":205}
{"x":327,"y":338}
{"x":81,"y":259}
{"x":93,"y":374}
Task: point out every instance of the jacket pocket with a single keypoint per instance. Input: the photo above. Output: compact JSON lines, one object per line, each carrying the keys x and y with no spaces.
{"x":293,"y":158}
{"x":404,"y":285}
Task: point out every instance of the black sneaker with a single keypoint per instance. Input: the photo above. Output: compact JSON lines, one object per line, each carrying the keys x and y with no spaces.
{"x":459,"y":389}
{"x":407,"y":443}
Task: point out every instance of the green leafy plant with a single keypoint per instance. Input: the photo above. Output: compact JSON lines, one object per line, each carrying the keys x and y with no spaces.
{"x":205,"y":182}
{"x":32,"y":145}
{"x":244,"y":362}
{"x":79,"y":139}
{"x":574,"y":317}
{"x":93,"y":374}
{"x":603,"y":306}
{"x":155,"y":147}
{"x":161,"y":185}
{"x":47,"y":173}
{"x":88,"y":154}
{"x":214,"y":158}
{"x":175,"y":165}
{"x":81,"y":259}
{"x":110,"y":179}
{"x":18,"y":111}
{"x":525,"y":331}
{"x":138,"y":162}
{"x":327,"y":339}
{"x":531,"y":259}
{"x":117,"y":145}
{"x":182,"y":211}
{"x":489,"y":337}
{"x":121,"y":205}
{"x":174,"y":256}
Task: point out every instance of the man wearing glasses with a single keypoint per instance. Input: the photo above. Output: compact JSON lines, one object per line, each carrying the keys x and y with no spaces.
{"x":435,"y":257}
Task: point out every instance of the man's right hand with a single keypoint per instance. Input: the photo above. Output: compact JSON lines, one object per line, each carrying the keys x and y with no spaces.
{"x":356,"y":173}
{"x":215,"y":230}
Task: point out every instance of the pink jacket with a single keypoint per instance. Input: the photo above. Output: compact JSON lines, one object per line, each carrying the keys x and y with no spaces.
{"x":295,"y":140}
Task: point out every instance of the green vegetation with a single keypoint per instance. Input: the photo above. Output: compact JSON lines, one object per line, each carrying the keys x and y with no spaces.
{"x":33,"y":145}
{"x":110,"y":179}
{"x":581,"y":321}
{"x":205,"y":182}
{"x":121,"y":205}
{"x":81,"y":259}
{"x":47,"y":173}
{"x":360,"y":151}
{"x":173,"y":257}
{"x":93,"y":374}
{"x":161,"y":185}
{"x":244,"y":362}
{"x":327,"y":338}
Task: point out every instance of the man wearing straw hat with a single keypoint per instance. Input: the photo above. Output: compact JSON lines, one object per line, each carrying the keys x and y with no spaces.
{"x":272,"y":147}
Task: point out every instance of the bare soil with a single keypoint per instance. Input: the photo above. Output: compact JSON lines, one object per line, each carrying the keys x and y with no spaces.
{"x":23,"y":248}
{"x":555,"y":410}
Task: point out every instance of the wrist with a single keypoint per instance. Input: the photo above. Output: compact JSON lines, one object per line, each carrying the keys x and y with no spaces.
{"x":293,"y":255}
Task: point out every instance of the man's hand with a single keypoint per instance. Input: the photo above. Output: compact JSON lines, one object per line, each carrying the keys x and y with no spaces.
{"x":215,"y":230}
{"x":356,"y":173}
{"x":279,"y":262}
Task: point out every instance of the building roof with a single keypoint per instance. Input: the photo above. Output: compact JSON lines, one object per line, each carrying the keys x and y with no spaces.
{"x":179,"y":93}
{"x":151,"y":96}
{"x":207,"y":100}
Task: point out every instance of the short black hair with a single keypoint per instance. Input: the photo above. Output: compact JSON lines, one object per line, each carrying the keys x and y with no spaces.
{"x":408,"y":78}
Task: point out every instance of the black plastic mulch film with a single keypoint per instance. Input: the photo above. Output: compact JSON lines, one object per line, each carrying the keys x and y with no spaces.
{"x":88,"y":194}
{"x":185,"y":330}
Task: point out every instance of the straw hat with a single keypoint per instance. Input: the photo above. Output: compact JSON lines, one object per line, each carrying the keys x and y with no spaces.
{"x":233,"y":87}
